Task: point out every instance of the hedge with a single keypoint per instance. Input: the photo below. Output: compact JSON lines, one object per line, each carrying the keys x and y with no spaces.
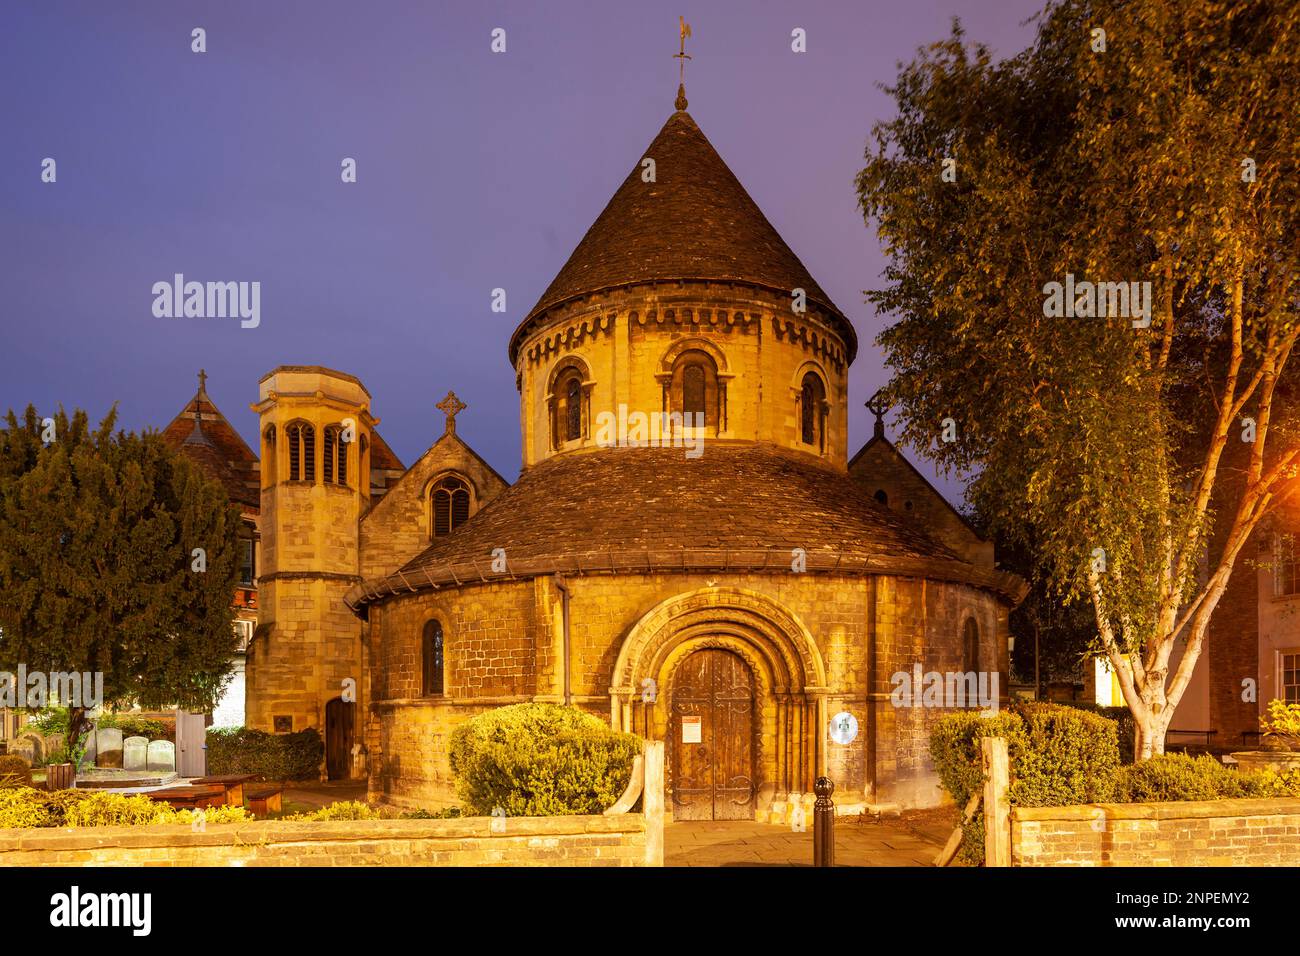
{"x":236,"y":750}
{"x":1061,"y":755}
{"x":27,"y":808}
{"x":1058,"y":756}
{"x":540,"y":760}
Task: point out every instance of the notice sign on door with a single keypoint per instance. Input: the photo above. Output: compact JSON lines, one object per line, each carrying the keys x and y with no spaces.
{"x":691,"y":730}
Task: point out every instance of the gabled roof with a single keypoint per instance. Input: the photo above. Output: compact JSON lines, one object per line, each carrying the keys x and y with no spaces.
{"x":879,"y":438}
{"x":694,"y":222}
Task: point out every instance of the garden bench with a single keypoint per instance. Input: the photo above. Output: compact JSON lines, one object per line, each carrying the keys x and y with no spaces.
{"x":265,"y":800}
{"x":190,"y":798}
{"x":233,"y":784}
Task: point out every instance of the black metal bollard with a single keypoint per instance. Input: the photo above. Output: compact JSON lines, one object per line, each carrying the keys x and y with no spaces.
{"x":823,"y":823}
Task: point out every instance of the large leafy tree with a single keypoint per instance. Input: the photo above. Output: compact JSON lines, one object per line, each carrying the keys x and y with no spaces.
{"x":98,"y":533}
{"x":1134,"y":458}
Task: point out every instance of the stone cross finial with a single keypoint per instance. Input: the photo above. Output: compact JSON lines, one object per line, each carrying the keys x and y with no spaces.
{"x":877,"y":405}
{"x":451,"y":406}
{"x":203,"y":380}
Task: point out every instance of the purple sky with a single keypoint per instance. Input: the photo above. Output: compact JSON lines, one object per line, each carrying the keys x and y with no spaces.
{"x":475,"y":171}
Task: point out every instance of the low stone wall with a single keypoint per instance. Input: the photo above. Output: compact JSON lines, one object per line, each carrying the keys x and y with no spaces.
{"x":1192,"y":833}
{"x":612,"y":840}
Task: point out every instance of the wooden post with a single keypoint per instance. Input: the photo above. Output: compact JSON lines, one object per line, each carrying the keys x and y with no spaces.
{"x":997,"y":801}
{"x":652,"y":802}
{"x":823,"y":823}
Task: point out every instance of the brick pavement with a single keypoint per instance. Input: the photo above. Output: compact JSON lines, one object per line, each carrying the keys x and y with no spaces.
{"x":858,"y":842}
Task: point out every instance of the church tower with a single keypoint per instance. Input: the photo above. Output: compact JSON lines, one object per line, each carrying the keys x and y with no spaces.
{"x":305,"y":663}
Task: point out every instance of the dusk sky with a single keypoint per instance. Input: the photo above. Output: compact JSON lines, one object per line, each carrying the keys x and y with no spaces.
{"x":475,"y":171}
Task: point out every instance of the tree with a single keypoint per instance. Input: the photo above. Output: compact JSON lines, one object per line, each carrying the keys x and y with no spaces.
{"x":1121,"y":424}
{"x":98,"y":565}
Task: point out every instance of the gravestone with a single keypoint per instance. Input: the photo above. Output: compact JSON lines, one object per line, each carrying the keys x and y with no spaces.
{"x":135,"y":753}
{"x":24,"y":747}
{"x":108,"y":746}
{"x":162,"y":756}
{"x":88,"y":759}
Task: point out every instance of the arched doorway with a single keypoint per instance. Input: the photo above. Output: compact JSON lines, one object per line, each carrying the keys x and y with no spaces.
{"x":712,"y":737}
{"x":338,"y":739}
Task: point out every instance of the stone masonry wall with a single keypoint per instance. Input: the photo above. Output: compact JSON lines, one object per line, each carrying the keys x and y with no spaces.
{"x":504,"y":645}
{"x":1192,"y":833}
{"x":616,"y":840}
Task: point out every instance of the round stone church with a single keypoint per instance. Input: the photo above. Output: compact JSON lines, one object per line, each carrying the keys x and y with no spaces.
{"x":689,"y":550}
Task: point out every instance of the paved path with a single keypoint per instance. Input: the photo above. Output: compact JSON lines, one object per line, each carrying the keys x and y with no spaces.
{"x":858,"y":842}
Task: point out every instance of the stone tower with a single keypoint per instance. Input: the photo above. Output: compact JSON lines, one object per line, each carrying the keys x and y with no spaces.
{"x":316,"y":435}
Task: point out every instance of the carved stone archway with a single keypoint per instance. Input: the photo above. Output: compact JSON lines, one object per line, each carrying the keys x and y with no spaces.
{"x":785,"y":660}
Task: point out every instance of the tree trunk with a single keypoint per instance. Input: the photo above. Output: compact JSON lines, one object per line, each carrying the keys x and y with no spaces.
{"x":1149,"y":734}
{"x":78,"y":726}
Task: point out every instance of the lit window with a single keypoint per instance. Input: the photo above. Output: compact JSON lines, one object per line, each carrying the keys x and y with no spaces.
{"x":812,"y":399}
{"x":247,"y":567}
{"x":431,"y":655}
{"x":1291,"y":676}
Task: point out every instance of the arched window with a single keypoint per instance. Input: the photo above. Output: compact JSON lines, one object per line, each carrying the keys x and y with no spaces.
{"x":302,"y":451}
{"x":268,"y":455}
{"x":568,"y":421}
{"x":970,"y":640}
{"x":450,"y":500}
{"x":431,"y":659}
{"x":882,"y":497}
{"x":335,"y":462}
{"x":694,"y":391}
{"x":573,"y":410}
{"x":812,"y":418}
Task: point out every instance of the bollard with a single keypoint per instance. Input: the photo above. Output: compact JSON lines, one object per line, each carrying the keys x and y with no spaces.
{"x":823,"y":823}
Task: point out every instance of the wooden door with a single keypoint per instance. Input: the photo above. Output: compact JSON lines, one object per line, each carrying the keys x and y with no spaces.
{"x":191,"y":744}
{"x":712,"y":738}
{"x":338,"y":739}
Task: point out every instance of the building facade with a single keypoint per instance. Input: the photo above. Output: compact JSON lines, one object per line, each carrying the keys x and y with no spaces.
{"x":688,"y":552}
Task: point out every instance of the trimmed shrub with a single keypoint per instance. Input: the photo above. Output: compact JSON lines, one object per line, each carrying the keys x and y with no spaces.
{"x":14,"y":771}
{"x":1175,"y":777}
{"x":343,"y":810}
{"x":22,"y":808}
{"x":25,"y":808}
{"x":1123,"y":717}
{"x":540,"y":760}
{"x":448,"y":813}
{"x":295,"y":756}
{"x":1058,"y":756}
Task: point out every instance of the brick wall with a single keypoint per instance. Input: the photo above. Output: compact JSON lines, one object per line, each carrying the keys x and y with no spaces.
{"x":617,"y":840}
{"x":1192,"y":833}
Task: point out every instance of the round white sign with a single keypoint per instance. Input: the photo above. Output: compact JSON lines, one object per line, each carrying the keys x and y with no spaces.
{"x":844,"y":727}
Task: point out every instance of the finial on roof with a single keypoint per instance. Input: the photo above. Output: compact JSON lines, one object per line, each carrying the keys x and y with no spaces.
{"x":684,"y":31}
{"x":203,"y":380}
{"x":877,"y":405}
{"x":451,"y":406}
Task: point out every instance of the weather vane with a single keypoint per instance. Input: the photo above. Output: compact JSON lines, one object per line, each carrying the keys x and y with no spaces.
{"x":681,"y":56}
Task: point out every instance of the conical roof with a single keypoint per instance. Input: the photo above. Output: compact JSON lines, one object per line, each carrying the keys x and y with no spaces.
{"x":695,"y":221}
